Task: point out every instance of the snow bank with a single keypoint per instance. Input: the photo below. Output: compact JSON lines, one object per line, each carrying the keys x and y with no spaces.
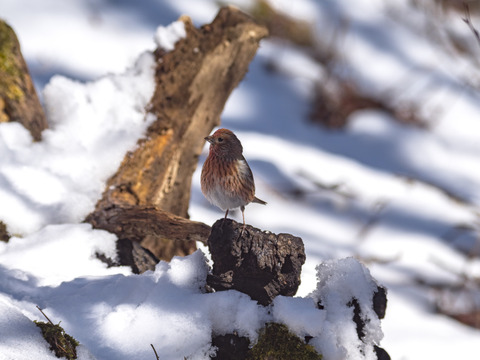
{"x":60,"y":253}
{"x":21,"y":338}
{"x":119,"y":316}
{"x":339,"y":283}
{"x":92,"y":126}
{"x":333,"y":330}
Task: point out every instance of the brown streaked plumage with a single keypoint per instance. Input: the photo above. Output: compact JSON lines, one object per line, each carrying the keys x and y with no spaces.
{"x":227,"y":181}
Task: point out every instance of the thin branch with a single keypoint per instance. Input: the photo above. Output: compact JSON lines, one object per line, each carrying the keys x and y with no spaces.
{"x":155,"y":351}
{"x":468,"y":20}
{"x":46,"y":317}
{"x":379,"y":206}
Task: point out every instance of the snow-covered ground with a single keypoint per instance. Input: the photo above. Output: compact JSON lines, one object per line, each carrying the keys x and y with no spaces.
{"x":401,"y":192}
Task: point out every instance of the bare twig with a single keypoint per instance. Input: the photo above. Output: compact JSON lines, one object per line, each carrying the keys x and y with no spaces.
{"x":336,"y":188}
{"x":379,"y":206}
{"x":468,"y":20}
{"x":46,"y":317}
{"x":61,"y":347}
{"x":377,"y":259}
{"x":155,"y":351}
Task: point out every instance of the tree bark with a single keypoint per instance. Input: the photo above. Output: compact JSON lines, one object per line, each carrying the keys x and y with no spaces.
{"x":193,"y":83}
{"x":18,"y":99}
{"x":258,"y":263}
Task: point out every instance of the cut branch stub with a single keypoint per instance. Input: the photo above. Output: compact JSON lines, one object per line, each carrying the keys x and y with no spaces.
{"x":18,"y":99}
{"x":161,"y":232}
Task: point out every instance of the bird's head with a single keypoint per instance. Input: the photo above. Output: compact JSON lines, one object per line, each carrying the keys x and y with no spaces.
{"x":224,"y":143}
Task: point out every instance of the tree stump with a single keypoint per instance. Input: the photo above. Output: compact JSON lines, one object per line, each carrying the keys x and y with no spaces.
{"x":260,"y":264}
{"x":193,"y":82}
{"x":18,"y":99}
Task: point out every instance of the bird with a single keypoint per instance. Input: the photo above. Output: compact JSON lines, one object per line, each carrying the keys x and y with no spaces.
{"x":227,"y":180}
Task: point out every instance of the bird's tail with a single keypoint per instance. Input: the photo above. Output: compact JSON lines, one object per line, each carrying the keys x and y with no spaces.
{"x":258,"y":201}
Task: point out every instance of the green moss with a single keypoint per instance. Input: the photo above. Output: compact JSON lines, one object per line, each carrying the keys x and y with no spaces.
{"x":10,"y":69}
{"x":60,"y":342}
{"x":7,"y":44}
{"x":276,"y":342}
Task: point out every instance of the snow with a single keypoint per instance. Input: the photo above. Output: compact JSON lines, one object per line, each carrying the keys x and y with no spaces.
{"x":70,"y":247}
{"x":167,"y":36}
{"x":92,"y":126}
{"x":401,"y":193}
{"x":340,"y":281}
{"x":118,"y":316}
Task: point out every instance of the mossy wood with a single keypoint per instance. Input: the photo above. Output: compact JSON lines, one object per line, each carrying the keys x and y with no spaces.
{"x":276,"y":342}
{"x":18,"y":99}
{"x":62,"y":344}
{"x":193,"y":83}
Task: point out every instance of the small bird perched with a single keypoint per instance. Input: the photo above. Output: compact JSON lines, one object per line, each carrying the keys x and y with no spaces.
{"x":227,"y":180}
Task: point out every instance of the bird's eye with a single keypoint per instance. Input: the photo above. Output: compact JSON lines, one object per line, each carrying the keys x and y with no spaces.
{"x":220,"y":139}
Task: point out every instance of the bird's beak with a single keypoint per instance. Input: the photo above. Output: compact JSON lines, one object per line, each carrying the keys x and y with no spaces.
{"x":209,"y":139}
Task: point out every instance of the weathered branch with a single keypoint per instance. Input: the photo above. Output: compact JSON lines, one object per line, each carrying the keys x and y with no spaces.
{"x":193,"y":83}
{"x":18,"y":99}
{"x":148,"y":224}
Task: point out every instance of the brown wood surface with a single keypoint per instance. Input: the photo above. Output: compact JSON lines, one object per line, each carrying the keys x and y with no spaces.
{"x":159,"y":231}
